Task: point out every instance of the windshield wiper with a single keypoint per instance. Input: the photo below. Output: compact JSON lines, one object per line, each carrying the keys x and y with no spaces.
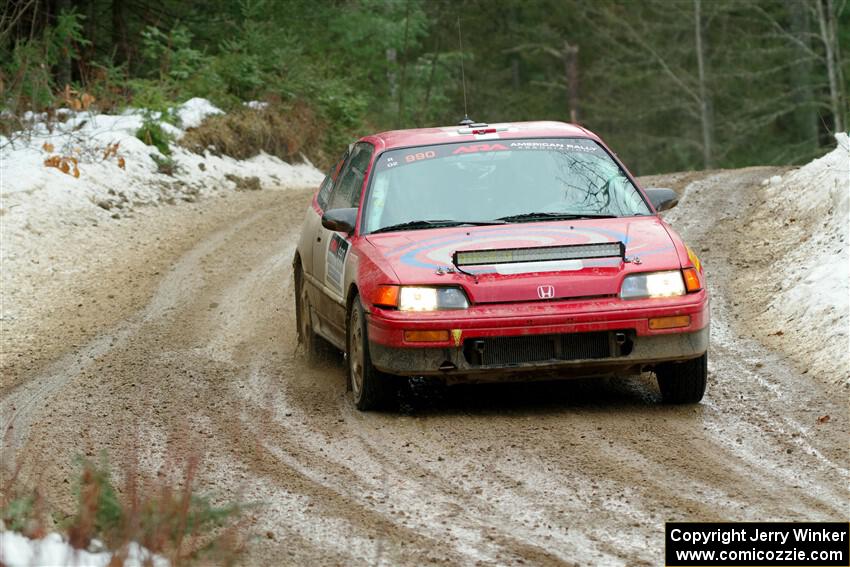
{"x":530,"y":217}
{"x":416,"y":224}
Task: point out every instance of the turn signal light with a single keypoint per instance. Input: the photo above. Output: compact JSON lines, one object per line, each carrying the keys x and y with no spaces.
{"x":386,"y":296}
{"x":426,"y":336}
{"x":669,"y":322}
{"x":691,"y":280}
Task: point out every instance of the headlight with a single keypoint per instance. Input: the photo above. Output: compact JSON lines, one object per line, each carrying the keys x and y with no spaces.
{"x":431,"y":298}
{"x":654,"y":284}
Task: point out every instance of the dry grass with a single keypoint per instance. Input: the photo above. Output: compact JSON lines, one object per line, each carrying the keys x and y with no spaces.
{"x":287,"y":132}
{"x":172,"y":521}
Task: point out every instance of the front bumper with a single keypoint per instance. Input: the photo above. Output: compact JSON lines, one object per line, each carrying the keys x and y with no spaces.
{"x":453,"y":364}
{"x":633,"y":345}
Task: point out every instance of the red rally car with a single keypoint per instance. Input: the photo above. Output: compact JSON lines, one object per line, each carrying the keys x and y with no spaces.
{"x":497,"y":252}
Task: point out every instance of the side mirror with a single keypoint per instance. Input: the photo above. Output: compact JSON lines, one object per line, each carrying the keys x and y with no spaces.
{"x":340,"y":220}
{"x":662,"y":199}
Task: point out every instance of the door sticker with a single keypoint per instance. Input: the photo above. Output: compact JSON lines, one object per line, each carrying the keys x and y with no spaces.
{"x":335,"y":272}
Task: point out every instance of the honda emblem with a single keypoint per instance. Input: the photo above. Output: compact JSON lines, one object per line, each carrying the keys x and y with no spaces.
{"x":545,"y":291}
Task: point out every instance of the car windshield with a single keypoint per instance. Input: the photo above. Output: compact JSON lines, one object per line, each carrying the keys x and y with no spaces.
{"x":512,"y":180}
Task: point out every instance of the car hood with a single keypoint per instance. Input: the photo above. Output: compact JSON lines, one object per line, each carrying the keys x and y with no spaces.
{"x":426,"y":257}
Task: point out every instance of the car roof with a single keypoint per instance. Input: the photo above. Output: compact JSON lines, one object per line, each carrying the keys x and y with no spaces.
{"x":478,"y":131}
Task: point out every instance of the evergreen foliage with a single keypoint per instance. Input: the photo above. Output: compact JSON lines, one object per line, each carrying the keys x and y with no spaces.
{"x":672,"y":84}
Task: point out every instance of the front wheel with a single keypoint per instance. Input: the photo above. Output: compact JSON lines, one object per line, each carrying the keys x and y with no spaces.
{"x":371,"y":388}
{"x":683,"y":382}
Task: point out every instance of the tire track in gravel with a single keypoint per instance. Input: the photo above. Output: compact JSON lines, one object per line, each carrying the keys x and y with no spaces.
{"x":545,"y":473}
{"x":19,"y":408}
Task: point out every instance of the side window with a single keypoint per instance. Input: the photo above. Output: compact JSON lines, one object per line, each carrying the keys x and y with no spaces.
{"x":328,"y":184}
{"x":349,"y":184}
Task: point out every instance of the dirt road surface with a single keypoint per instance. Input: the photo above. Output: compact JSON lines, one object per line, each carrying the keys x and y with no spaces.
{"x":195,"y":351}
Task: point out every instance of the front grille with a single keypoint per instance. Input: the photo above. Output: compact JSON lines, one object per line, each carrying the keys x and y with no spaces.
{"x":505,"y":351}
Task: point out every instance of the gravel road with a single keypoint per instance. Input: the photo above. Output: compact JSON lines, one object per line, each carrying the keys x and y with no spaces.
{"x":195,"y":352}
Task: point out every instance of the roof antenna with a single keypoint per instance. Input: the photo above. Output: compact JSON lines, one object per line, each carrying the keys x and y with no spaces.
{"x":467,"y":121}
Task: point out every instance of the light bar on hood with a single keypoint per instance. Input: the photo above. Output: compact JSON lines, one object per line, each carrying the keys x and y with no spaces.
{"x":541,"y":254}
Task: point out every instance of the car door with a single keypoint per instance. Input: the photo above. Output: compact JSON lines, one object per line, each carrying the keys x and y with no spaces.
{"x":317,"y":258}
{"x":333,"y":249}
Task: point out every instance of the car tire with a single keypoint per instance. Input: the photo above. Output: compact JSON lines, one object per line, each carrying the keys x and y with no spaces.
{"x":370,"y":388}
{"x":683,"y":382}
{"x":314,"y":346}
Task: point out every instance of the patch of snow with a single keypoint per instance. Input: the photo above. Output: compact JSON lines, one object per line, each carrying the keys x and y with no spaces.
{"x":193,"y":112}
{"x":256,"y":104}
{"x":775,"y":180}
{"x":17,"y":550}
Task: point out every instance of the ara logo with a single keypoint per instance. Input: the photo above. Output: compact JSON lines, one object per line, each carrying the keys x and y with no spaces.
{"x":545,"y":291}
{"x":480,"y":148}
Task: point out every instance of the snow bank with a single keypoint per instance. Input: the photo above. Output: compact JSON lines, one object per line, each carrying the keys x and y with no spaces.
{"x":192,"y":112}
{"x":17,"y":550}
{"x":108,"y":183}
{"x":813,"y":273}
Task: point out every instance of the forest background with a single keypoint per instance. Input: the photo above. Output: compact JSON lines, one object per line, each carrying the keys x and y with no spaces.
{"x":670,"y":84}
